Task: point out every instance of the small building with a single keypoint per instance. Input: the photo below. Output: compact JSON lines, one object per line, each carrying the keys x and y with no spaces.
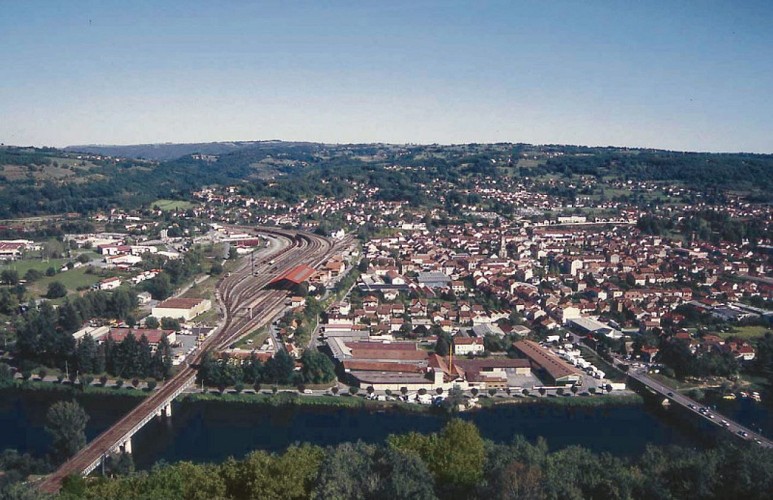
{"x":434,"y":279}
{"x":468,"y":345}
{"x":109,"y":283}
{"x":181,"y":308}
{"x":154,"y":336}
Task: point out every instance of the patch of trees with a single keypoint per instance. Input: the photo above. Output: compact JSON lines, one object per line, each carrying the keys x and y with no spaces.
{"x":44,"y":335}
{"x":453,"y":463}
{"x":678,"y":357}
{"x":280,"y":369}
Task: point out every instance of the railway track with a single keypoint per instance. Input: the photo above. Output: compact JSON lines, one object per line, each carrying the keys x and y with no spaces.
{"x":234,"y":293}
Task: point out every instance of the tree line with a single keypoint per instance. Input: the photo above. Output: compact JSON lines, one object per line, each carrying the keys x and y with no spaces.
{"x":279,"y":369}
{"x":455,"y":463}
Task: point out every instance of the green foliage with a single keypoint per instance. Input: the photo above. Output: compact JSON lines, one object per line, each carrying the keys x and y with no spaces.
{"x":455,"y":456}
{"x":66,"y":422}
{"x":317,"y":368}
{"x":56,"y":290}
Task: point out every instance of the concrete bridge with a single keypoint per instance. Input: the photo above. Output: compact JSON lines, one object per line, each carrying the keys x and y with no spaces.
{"x":723,"y":422}
{"x":118,"y":437}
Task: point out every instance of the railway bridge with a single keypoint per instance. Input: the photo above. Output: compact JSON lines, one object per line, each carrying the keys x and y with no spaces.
{"x":235,"y":293}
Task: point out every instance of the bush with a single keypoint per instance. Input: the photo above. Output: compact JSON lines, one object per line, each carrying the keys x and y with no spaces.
{"x":103,"y":380}
{"x":135,"y":382}
{"x":119,"y":383}
{"x":354,"y":390}
{"x":439,"y":390}
{"x":239,"y":387}
{"x":56,"y":290}
{"x":492,"y":391}
{"x":152,"y":384}
{"x":42,"y":373}
{"x":422,"y":391}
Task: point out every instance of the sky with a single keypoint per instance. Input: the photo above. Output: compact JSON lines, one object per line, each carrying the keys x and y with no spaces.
{"x":681,"y":75}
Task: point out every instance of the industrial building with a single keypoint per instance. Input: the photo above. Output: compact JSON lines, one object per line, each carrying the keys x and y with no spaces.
{"x":183,"y":309}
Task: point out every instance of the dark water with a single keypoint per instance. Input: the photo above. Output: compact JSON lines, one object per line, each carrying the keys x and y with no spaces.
{"x":212,"y":431}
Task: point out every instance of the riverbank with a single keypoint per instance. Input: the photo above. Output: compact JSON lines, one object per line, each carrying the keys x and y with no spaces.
{"x":293,"y":398}
{"x":41,"y":386}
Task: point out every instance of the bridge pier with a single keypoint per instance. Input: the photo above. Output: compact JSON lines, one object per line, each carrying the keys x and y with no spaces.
{"x":165,"y":411}
{"x":126,"y":446}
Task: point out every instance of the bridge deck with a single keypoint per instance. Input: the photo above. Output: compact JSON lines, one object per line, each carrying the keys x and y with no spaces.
{"x":676,"y":398}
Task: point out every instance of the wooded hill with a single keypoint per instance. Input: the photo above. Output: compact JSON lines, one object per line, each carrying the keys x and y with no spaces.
{"x":36,"y":181}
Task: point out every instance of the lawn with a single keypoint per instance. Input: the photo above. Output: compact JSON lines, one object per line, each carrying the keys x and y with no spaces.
{"x":167,"y":205}
{"x":745,"y":332}
{"x":72,"y":279}
{"x":22,"y":266}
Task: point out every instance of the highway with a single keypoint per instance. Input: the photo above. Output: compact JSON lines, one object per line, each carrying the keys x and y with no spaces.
{"x":244,"y":305}
{"x":712,"y":416}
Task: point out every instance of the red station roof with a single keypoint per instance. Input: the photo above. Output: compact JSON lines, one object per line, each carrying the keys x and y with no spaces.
{"x":297,"y":275}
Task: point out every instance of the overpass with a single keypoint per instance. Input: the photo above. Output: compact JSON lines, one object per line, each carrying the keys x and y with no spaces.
{"x":674,"y":397}
{"x":235,"y":293}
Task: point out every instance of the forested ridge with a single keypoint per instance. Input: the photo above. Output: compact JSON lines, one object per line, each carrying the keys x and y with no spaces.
{"x":291,"y":171}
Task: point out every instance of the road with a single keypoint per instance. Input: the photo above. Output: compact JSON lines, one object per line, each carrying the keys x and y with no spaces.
{"x":237,"y":293}
{"x":712,"y":416}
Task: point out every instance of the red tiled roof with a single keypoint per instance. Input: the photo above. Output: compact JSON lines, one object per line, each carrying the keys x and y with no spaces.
{"x":153,"y":336}
{"x":297,"y":275}
{"x":380,"y":366}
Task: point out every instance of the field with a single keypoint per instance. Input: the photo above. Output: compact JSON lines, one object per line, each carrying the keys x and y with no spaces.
{"x":168,"y":205}
{"x":72,"y":279}
{"x":745,"y":332}
{"x":22,"y":266}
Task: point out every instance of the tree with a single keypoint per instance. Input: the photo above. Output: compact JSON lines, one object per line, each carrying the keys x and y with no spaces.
{"x":454,"y":399}
{"x":9,"y":277}
{"x":216,"y":269}
{"x":279,"y":369}
{"x":86,"y":354}
{"x":455,"y":456}
{"x":317,"y":368}
{"x":66,"y":422}
{"x":56,"y":290}
{"x":170,"y":324}
{"x":151,"y":322}
{"x":353,"y":390}
{"x":51,"y":271}
{"x":6,"y":375}
{"x":443,"y":345}
{"x":152,"y":385}
{"x":542,"y":391}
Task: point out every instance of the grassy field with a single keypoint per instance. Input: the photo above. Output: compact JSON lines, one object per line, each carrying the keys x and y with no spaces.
{"x":72,"y":279}
{"x":258,"y":337}
{"x":745,"y":332}
{"x":22,"y":266}
{"x":167,"y":205}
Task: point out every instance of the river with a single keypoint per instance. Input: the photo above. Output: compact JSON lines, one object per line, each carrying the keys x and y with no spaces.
{"x":212,"y":431}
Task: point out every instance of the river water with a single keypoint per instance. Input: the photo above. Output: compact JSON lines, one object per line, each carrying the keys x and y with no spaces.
{"x":212,"y":431}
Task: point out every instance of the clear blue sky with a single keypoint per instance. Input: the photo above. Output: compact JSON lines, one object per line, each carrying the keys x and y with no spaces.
{"x":677,"y":75}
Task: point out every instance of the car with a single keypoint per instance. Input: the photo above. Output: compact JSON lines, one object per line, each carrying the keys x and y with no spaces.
{"x":670,"y":394}
{"x":744,"y":434}
{"x":709,"y":415}
{"x":692,"y":406}
{"x":725,"y":424}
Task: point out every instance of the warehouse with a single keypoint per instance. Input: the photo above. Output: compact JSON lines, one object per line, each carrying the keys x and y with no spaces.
{"x":183,"y":309}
